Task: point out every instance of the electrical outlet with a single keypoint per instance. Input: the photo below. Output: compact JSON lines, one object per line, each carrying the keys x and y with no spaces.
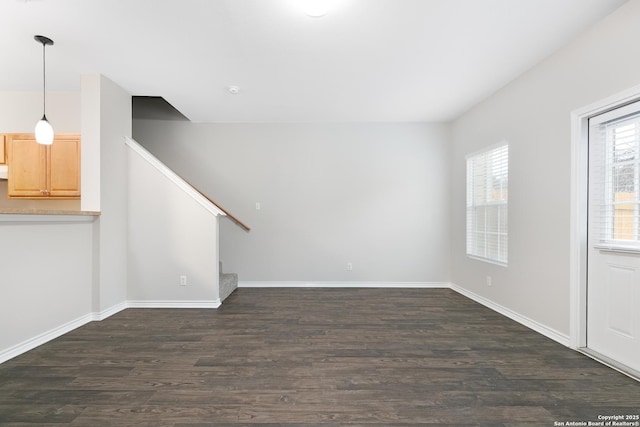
{"x":258,"y":206}
{"x":489,"y":283}
{"x":183,"y":280}
{"x":349,"y":266}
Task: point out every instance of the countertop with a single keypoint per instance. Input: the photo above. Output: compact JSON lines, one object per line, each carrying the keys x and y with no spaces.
{"x":18,"y":211}
{"x":9,"y":215}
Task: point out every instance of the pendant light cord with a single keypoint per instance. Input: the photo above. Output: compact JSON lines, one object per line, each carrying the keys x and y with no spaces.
{"x":44,"y":81}
{"x":44,"y":41}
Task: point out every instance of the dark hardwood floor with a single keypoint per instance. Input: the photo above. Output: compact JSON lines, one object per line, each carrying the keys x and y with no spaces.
{"x":296,"y":357}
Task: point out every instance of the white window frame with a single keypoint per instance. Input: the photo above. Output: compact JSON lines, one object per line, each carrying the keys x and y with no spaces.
{"x":482,"y":242}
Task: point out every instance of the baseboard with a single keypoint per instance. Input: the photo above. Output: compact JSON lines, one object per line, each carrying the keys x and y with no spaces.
{"x":83,"y":320}
{"x":174,"y":304}
{"x":109,"y":311}
{"x":523,"y":320}
{"x":43,"y":338}
{"x":54,"y":333}
{"x":320,"y":284}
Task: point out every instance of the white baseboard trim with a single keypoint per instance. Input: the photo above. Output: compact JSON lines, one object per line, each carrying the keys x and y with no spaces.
{"x":174,"y":304}
{"x":292,"y":284}
{"x":43,"y":338}
{"x":523,"y":320}
{"x":109,"y":311}
{"x":32,"y":343}
{"x":54,"y":333}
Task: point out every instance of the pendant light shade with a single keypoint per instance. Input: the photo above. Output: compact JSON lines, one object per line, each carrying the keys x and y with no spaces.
{"x":44,"y":130}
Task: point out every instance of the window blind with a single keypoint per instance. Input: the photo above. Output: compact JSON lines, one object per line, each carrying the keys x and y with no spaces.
{"x":614,"y":177}
{"x":487,"y":204}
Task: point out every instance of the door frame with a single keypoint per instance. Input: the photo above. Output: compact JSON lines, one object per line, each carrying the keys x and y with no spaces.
{"x":579,"y":209}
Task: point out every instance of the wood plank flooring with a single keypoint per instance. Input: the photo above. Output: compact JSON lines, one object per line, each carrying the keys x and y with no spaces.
{"x":314,"y":357}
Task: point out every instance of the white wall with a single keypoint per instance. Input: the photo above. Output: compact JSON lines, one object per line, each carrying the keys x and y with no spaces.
{"x":19,"y":112}
{"x":46,"y":279}
{"x":106,"y":121}
{"x":169,"y":235}
{"x":375,"y":195}
{"x":533,"y":115}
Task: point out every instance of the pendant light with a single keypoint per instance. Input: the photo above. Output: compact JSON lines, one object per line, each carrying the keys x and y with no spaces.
{"x":44,"y":131}
{"x":315,"y":8}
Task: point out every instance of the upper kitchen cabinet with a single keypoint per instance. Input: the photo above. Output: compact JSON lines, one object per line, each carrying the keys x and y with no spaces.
{"x":43,"y":171}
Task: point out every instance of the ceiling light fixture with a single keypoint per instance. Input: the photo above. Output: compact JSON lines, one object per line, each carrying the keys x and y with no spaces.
{"x":44,"y":131}
{"x":315,"y":8}
{"x":233,"y":90}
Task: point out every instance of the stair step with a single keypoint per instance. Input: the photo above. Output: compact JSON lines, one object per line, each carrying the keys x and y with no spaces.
{"x":228,"y":284}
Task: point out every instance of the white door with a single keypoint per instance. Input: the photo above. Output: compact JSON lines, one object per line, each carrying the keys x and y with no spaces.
{"x":613,"y":277}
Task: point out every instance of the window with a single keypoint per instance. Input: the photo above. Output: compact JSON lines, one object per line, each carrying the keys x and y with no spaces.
{"x":487,"y":204}
{"x":614,"y":149}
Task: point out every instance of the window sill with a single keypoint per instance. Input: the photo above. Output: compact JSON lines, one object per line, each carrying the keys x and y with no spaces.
{"x":487,"y":260}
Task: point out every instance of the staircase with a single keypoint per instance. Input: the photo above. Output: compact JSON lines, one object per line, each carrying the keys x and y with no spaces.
{"x":228,"y":283}
{"x":145,"y":173}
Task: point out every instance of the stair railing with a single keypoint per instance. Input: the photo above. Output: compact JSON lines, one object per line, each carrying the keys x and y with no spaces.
{"x":180,"y":180}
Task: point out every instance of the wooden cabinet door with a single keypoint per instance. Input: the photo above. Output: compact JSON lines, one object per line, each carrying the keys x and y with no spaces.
{"x":3,"y":157}
{"x":27,"y":162}
{"x":37,"y":170}
{"x":64,"y":167}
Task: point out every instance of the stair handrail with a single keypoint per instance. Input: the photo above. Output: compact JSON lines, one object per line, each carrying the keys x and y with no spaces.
{"x":165,"y":170}
{"x":226,"y":212}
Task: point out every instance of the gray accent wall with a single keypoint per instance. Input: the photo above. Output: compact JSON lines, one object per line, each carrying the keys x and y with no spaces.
{"x":374,"y":195}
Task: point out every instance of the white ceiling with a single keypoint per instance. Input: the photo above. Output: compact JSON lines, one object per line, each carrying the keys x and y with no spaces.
{"x":365,"y":60}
